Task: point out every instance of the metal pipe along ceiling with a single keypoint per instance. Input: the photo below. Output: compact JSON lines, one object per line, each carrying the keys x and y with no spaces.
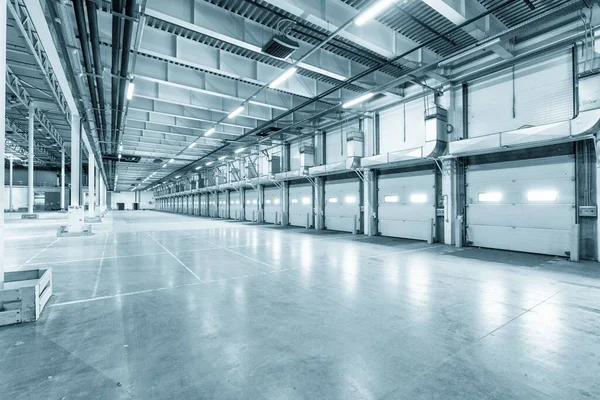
{"x":83,"y":39}
{"x":125,"y":52}
{"x":97,"y":62}
{"x":117,"y":9}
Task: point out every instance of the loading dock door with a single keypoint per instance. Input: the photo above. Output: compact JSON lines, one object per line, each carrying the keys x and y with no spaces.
{"x":301,"y":198}
{"x":203,"y":204}
{"x":251,"y":205}
{"x":212,"y":204}
{"x":526,"y":205}
{"x":342,"y":204}
{"x":272,"y":204}
{"x":234,"y":204}
{"x":406,"y":204}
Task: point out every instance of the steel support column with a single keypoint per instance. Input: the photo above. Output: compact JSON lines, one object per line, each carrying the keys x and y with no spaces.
{"x":91,"y":185}
{"x":10,"y":185}
{"x":30,"y":159}
{"x":3,"y":11}
{"x":75,"y":159}
{"x":62,"y":179}
{"x":319,"y":204}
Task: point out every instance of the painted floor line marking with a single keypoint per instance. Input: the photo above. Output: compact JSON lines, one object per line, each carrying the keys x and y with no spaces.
{"x":114,"y":296}
{"x":95,"y":291}
{"x":175,"y":257}
{"x":240,"y":254}
{"x":35,"y":256}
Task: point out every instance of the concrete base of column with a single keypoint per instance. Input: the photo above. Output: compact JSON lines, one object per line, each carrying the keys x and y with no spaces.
{"x":30,"y":216}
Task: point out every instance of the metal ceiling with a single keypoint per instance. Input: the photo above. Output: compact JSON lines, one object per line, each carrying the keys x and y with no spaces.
{"x":199,"y":60}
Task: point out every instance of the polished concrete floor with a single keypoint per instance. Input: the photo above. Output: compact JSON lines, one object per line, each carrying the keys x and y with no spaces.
{"x":161,"y":306}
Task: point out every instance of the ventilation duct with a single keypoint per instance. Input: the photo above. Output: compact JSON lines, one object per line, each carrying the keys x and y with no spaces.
{"x":280,"y":46}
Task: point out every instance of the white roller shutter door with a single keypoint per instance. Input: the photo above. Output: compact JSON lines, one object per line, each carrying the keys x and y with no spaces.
{"x":526,"y":205}
{"x":234,"y":204}
{"x":212,"y":204}
{"x":251,"y":205}
{"x":272,"y":205}
{"x":301,"y":207}
{"x":204,"y":204}
{"x":406,"y":204}
{"x":342,"y":204}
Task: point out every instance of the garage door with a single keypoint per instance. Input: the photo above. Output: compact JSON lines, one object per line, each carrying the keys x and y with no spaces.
{"x":522,"y":205}
{"x":301,"y":208}
{"x":234,"y":204}
{"x":342,"y":204}
{"x":251,"y":205}
{"x":222,"y":204}
{"x":272,"y":205}
{"x":204,"y":204}
{"x":212,"y":204}
{"x":406,"y":204}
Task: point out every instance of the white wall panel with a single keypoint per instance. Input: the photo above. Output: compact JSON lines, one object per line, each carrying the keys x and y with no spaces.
{"x":301,"y":207}
{"x":406,"y":204}
{"x":335,"y":142}
{"x":212,"y":204}
{"x":272,"y":204}
{"x":341,"y":214}
{"x":402,"y":127}
{"x":541,"y":93}
{"x":295,"y":156}
{"x":514,"y":222}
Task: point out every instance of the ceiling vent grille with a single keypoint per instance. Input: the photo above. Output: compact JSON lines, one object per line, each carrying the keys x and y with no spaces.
{"x":280,"y":46}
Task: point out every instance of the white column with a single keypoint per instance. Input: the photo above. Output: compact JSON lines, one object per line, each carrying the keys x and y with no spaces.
{"x":91,"y":185}
{"x":62,"y":179}
{"x":30,"y":159}
{"x":10,"y":185}
{"x":75,"y":158}
{"x":2,"y":127}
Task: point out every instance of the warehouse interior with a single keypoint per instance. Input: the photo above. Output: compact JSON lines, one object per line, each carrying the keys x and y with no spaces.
{"x":309,"y":199}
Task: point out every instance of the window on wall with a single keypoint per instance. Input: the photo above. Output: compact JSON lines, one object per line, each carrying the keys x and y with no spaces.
{"x":277,"y":201}
{"x":237,"y":202}
{"x":542,"y":196}
{"x":350,"y":199}
{"x":418,"y":198}
{"x":390,"y":199}
{"x":247,"y":201}
{"x":254,"y":201}
{"x":306,"y":200}
{"x":294,"y":201}
{"x":268,"y":201}
{"x":489,"y":197}
{"x":332,"y":200}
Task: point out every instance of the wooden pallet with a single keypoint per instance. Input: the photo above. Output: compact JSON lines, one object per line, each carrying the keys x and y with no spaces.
{"x":25,"y":295}
{"x":63,"y":232}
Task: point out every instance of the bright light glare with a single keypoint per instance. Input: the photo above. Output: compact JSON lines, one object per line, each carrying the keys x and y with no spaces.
{"x":222,"y":158}
{"x":542,"y":195}
{"x":283,"y":77}
{"x":489,"y":197}
{"x":236,"y":112}
{"x":208,"y":132}
{"x":418,"y":198}
{"x":294,"y":201}
{"x":192,"y":145}
{"x":198,"y":167}
{"x":350,"y":199}
{"x":332,"y":200}
{"x":130,"y":88}
{"x":172,"y":160}
{"x":306,"y":200}
{"x":358,"y":100}
{"x":240,"y":150}
{"x":208,"y":163}
{"x":390,"y":199}
{"x":276,"y":201}
{"x":373,"y":11}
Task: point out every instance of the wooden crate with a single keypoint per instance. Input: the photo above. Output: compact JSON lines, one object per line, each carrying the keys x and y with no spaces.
{"x":25,"y":295}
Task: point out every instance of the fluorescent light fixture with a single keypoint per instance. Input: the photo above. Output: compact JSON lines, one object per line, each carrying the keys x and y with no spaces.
{"x":209,"y":163}
{"x":418,"y":198}
{"x":130,"y":88}
{"x":178,"y":176}
{"x":358,"y":100}
{"x":306,"y":200}
{"x":164,"y":165}
{"x":240,"y":150}
{"x":210,"y":131}
{"x":198,"y":167}
{"x":120,"y":147}
{"x":373,"y":11}
{"x":222,"y":158}
{"x":542,"y":195}
{"x":489,"y":197}
{"x":236,"y":112}
{"x":119,"y":156}
{"x":191,"y":146}
{"x":283,"y":77}
{"x":390,"y":199}
{"x":172,"y":160}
